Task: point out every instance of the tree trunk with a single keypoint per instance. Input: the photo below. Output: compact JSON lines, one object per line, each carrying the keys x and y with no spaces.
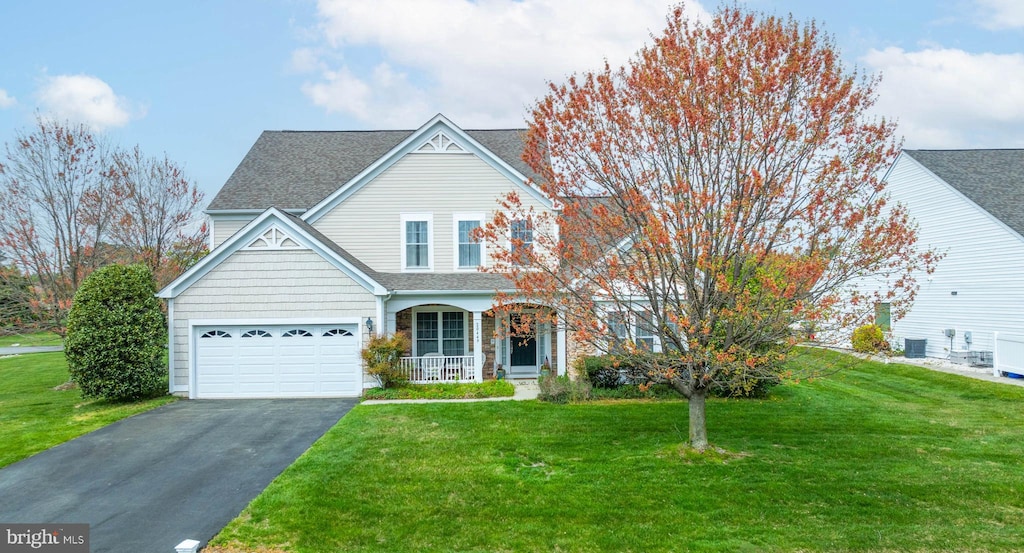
{"x":698,"y":421}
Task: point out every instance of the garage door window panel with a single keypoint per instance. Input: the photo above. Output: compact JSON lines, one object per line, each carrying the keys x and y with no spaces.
{"x":256,"y":334}
{"x":337,"y":332}
{"x":216,"y":334}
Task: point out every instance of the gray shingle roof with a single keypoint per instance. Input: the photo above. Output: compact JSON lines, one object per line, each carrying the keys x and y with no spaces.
{"x":447,"y":281}
{"x":296,"y":169}
{"x":993,"y":179}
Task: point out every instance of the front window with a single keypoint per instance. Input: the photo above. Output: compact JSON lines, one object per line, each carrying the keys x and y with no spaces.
{"x":441,"y":332}
{"x":426,"y":333}
{"x":522,"y":238}
{"x":417,"y":235}
{"x":453,"y":332}
{"x":623,"y":326}
{"x":469,"y":248}
{"x":619,"y":331}
{"x":644,"y":332}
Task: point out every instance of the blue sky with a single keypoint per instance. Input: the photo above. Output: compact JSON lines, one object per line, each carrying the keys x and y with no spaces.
{"x":201,"y":80}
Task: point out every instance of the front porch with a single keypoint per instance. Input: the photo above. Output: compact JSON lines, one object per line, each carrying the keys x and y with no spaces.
{"x":440,"y":368}
{"x":453,"y":344}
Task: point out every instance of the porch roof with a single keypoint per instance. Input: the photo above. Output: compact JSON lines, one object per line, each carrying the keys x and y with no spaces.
{"x":446,"y":281}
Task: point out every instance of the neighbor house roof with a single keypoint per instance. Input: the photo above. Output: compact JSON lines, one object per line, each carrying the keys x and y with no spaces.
{"x":993,"y":179}
{"x":294,"y":170}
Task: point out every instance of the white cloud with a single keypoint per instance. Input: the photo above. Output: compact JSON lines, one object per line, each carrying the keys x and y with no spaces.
{"x":387,"y":96}
{"x":85,"y":99}
{"x":481,"y":63}
{"x":6,"y":100}
{"x":1001,"y":14}
{"x":305,"y":60}
{"x":949,"y":98}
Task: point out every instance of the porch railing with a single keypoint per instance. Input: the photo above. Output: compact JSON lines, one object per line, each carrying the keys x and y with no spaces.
{"x":447,"y":368}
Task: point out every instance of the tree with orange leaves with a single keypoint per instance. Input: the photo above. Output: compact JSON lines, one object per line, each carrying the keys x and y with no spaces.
{"x":722,"y":186}
{"x":69,"y":205}
{"x":57,"y":204}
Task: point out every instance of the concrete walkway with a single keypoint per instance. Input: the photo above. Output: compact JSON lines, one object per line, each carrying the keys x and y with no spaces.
{"x":947,"y":366}
{"x":18,"y":350}
{"x":526,"y":388}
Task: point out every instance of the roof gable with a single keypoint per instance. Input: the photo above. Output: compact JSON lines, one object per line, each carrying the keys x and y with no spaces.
{"x":300,"y":235}
{"x":296,"y":170}
{"x":992,"y":179}
{"x":436,"y":134}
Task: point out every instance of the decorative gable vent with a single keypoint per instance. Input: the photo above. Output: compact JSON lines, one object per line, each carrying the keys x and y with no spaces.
{"x":274,"y":239}
{"x":440,"y":143}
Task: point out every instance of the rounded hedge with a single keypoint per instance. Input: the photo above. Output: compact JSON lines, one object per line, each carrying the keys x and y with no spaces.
{"x":869,"y":339}
{"x":117,"y":335}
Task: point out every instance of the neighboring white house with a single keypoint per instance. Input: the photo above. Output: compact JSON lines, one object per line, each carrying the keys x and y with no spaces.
{"x":969,"y":205}
{"x":321,"y":238}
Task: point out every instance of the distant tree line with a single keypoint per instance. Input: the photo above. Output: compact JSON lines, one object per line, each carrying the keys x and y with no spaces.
{"x":71,"y":203}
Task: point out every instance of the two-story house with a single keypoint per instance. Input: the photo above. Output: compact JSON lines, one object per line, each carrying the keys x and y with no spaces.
{"x":319,"y":239}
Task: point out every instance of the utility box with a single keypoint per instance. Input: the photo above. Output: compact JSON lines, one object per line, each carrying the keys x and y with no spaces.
{"x":960,"y":357}
{"x":914,"y":348}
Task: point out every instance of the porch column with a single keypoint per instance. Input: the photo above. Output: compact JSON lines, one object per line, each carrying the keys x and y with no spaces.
{"x":478,"y":346}
{"x":563,"y":353}
{"x":392,"y":321}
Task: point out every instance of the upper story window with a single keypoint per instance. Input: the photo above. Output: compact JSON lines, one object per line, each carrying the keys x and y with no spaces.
{"x":417,"y":247}
{"x":522,"y":237}
{"x":468,"y":250}
{"x":417,"y":241}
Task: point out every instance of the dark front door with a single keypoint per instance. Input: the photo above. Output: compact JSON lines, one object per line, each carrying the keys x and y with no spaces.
{"x":524,"y":347}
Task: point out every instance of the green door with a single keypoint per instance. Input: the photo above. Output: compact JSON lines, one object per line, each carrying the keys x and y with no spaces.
{"x":883,"y":316}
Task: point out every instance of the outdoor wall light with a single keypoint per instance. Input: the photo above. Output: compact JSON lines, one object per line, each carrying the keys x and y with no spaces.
{"x":369,"y":324}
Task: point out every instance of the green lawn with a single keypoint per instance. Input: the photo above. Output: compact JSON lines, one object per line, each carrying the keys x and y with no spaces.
{"x":34,"y":416}
{"x":875,"y":458}
{"x":451,"y":390}
{"x":33,"y":339}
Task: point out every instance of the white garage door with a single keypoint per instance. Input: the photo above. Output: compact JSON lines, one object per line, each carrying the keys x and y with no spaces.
{"x":277,"y":361}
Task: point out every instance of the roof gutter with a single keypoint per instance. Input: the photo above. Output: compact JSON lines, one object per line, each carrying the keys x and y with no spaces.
{"x":294,"y":211}
{"x":489,"y":291}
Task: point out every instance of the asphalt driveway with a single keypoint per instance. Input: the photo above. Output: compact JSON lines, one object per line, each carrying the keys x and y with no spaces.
{"x":181,"y":471}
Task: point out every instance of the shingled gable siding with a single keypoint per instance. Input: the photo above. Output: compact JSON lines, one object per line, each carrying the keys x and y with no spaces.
{"x":224,"y":228}
{"x":983,"y":266}
{"x":279,"y":284}
{"x":367,"y":224}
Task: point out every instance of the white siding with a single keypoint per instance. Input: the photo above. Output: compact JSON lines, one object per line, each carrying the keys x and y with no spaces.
{"x":225,"y":226}
{"x":367,"y":224}
{"x":278,"y":284}
{"x":984,"y":264}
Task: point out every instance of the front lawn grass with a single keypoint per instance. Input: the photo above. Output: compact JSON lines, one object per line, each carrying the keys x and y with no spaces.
{"x":34,"y":416}
{"x":31,"y":339}
{"x":875,"y":458}
{"x":459,"y":390}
